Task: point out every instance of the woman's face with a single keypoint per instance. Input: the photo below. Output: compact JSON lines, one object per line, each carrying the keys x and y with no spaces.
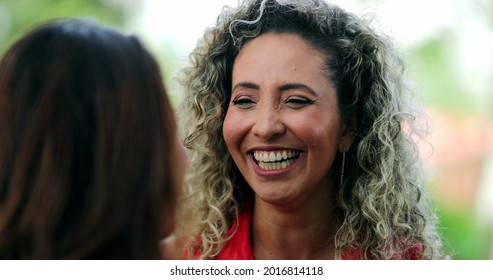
{"x":283,"y":127}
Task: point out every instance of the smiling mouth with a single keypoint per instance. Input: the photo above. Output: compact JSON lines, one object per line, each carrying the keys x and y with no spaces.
{"x":275,"y":160}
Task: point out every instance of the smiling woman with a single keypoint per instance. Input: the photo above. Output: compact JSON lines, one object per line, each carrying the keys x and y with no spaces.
{"x":279,"y":87}
{"x":294,"y":114}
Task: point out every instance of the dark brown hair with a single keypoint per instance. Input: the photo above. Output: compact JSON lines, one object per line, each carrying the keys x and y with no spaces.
{"x":86,"y":132}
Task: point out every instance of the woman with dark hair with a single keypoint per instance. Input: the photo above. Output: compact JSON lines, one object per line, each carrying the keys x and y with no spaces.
{"x":303,"y":140}
{"x":90,"y":162}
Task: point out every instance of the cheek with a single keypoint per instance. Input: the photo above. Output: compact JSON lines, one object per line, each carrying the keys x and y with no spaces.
{"x":319,"y":130}
{"x":231,"y":129}
{"x":228,"y":132}
{"x":323,"y":145}
{"x":323,"y":135}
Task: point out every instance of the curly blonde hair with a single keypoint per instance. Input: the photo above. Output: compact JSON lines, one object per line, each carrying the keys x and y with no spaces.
{"x":382,"y":203}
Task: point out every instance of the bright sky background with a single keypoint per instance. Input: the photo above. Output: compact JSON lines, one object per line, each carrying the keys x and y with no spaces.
{"x":182,"y":23}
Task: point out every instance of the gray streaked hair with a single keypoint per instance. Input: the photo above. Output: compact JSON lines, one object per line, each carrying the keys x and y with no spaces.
{"x":383,"y":204}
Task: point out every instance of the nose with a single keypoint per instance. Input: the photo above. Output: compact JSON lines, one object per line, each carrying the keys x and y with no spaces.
{"x":268,"y":123}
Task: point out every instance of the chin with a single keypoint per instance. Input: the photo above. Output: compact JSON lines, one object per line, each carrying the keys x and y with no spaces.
{"x":278,"y":197}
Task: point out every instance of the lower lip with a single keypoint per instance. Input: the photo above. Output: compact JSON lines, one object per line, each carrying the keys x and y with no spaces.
{"x":275,"y":173}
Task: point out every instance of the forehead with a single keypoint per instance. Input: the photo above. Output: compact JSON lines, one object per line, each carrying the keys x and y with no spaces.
{"x":279,"y":55}
{"x":271,"y":45}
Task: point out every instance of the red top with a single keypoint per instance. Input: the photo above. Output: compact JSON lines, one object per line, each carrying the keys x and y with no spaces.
{"x":239,"y":247}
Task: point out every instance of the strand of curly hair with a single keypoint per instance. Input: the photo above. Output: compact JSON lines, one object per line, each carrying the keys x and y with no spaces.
{"x":383,"y":204}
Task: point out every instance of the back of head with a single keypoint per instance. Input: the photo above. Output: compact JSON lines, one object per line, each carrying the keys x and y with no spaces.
{"x":85,"y":134}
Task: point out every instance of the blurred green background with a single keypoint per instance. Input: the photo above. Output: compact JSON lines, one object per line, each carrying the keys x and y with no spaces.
{"x":449,"y":48}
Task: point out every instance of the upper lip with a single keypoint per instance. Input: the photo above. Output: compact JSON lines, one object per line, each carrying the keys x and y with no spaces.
{"x":271,"y":148}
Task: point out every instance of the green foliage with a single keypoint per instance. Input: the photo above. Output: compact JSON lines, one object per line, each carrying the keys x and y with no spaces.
{"x":434,"y":72}
{"x":22,"y":15}
{"x":463,"y":238}
{"x":19,"y":16}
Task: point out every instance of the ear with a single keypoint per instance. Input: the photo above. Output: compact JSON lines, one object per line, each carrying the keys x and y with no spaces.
{"x":348,"y":133}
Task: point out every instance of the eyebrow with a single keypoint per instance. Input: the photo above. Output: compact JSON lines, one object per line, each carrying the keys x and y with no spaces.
{"x":246,"y":85}
{"x":290,"y":86}
{"x":285,"y":87}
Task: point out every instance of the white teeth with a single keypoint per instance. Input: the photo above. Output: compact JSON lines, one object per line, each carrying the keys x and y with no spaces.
{"x":274,"y":156}
{"x":275,"y":160}
{"x":264,"y":157}
{"x":275,"y":165}
{"x":278,"y":156}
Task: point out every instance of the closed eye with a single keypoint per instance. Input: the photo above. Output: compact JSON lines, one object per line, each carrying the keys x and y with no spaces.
{"x":244,"y":102}
{"x":297,"y":102}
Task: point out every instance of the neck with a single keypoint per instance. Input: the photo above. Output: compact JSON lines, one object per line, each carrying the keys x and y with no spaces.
{"x":293,"y":232}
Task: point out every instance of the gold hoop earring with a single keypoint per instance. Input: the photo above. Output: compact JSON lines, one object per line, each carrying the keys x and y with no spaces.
{"x":343,"y":163}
